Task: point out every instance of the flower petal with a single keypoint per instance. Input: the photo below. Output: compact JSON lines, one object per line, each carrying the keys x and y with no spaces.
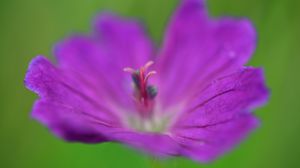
{"x":153,"y":143}
{"x":226,"y":97}
{"x":124,"y":40}
{"x":62,"y":99}
{"x":84,"y":59}
{"x":205,"y":144}
{"x":218,"y":118}
{"x":198,"y":49}
{"x":66,"y":122}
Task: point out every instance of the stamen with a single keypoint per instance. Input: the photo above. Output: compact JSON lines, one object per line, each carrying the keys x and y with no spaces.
{"x":144,"y":94}
{"x":151,"y":73}
{"x":128,"y":69}
{"x":148,"y":64}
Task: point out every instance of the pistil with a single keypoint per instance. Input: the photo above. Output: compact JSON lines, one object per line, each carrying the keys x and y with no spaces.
{"x":144,"y":93}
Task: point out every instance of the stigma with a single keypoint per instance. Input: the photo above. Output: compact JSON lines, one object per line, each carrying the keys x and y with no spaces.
{"x":143,"y":93}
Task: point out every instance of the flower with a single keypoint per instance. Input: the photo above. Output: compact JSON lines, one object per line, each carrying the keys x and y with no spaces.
{"x":192,"y":98}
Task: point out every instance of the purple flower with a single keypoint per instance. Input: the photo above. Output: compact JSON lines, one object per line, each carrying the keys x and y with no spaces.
{"x":191,"y":98}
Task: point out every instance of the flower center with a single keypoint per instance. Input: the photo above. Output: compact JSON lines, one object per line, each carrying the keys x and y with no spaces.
{"x":143,"y":93}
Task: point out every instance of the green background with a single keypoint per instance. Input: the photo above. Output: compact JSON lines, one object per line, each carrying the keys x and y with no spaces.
{"x":32,"y":27}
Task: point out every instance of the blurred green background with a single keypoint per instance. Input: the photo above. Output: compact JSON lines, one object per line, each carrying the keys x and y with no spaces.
{"x":32,"y":27}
